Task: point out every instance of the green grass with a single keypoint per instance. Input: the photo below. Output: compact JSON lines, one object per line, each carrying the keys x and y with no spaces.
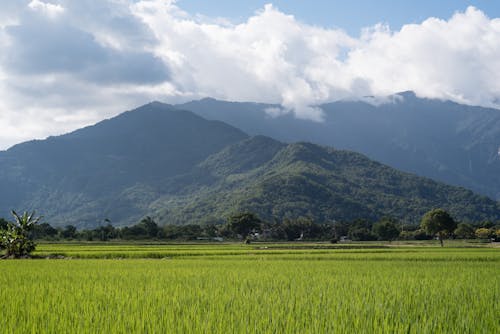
{"x":234,"y":288}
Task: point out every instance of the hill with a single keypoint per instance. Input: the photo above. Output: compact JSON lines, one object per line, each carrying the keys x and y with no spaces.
{"x":277,"y":180}
{"x":446,"y":141}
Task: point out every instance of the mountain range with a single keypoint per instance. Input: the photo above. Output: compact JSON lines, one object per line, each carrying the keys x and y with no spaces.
{"x":446,"y":141}
{"x":178,"y":167}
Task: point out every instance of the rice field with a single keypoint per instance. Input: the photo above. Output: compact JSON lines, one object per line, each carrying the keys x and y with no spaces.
{"x":233,"y":288}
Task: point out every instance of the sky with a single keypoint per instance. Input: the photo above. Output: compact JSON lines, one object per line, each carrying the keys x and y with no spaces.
{"x":65,"y":64}
{"x":351,"y":16}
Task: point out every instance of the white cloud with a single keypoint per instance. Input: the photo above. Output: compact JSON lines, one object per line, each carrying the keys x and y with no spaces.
{"x":46,"y":8}
{"x":456,"y":59}
{"x":273,"y":57}
{"x":68,"y":63}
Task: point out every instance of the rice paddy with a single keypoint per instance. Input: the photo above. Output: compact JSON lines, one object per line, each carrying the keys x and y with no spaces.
{"x":261,"y":288}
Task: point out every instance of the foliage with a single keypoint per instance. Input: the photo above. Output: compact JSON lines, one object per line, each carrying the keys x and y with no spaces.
{"x":186,"y":232}
{"x":69,"y":232}
{"x":44,"y":231}
{"x":438,"y":221}
{"x":464,"y":231}
{"x":484,"y":233}
{"x":15,"y":239}
{"x":298,"y":229}
{"x":361,"y":230}
{"x":418,"y":234}
{"x":149,"y":226}
{"x":386,"y":229}
{"x":3,"y":224}
{"x":244,"y":223}
{"x":248,"y":224}
{"x":421,"y":234}
{"x":486,"y":224}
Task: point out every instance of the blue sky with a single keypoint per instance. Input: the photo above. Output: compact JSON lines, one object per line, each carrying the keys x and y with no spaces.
{"x":351,"y":15}
{"x":65,"y":64}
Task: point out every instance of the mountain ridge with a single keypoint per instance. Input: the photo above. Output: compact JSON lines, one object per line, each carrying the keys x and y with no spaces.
{"x":443,"y":140}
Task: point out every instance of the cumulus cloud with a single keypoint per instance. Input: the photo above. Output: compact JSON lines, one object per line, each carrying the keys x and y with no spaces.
{"x":273,"y":57}
{"x":65,"y":64}
{"x":270,"y":58}
{"x":456,"y":59}
{"x":49,"y":9}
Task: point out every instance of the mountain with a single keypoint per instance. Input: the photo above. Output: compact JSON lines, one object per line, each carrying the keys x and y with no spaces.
{"x":180,"y":168}
{"x":80,"y":177}
{"x":446,"y":141}
{"x":279,"y":180}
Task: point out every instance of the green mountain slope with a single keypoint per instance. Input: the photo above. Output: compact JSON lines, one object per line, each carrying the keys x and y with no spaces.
{"x":277,"y":180}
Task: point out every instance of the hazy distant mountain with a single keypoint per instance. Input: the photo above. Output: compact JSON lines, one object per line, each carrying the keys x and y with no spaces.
{"x":180,"y":168}
{"x":446,"y":141}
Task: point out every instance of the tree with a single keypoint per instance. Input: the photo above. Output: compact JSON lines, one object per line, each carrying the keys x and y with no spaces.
{"x":16,"y":238}
{"x":464,"y":231}
{"x":438,"y":222}
{"x":43,"y":230}
{"x":386,"y":229}
{"x":484,"y":233}
{"x":69,"y":232}
{"x":497,"y":235}
{"x":244,"y":223}
{"x":300,"y":228}
{"x":104,"y":233}
{"x":150,"y":227}
{"x":361,"y":230}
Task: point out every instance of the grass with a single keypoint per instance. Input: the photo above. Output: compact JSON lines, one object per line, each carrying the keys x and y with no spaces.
{"x":234,"y":288}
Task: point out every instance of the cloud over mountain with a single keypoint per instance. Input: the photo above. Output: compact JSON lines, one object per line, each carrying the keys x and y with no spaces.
{"x":69,"y":63}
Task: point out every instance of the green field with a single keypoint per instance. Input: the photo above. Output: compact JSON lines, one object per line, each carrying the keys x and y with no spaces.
{"x":258,"y":288}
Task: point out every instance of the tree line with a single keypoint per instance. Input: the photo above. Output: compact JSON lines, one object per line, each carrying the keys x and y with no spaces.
{"x":248,"y":226}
